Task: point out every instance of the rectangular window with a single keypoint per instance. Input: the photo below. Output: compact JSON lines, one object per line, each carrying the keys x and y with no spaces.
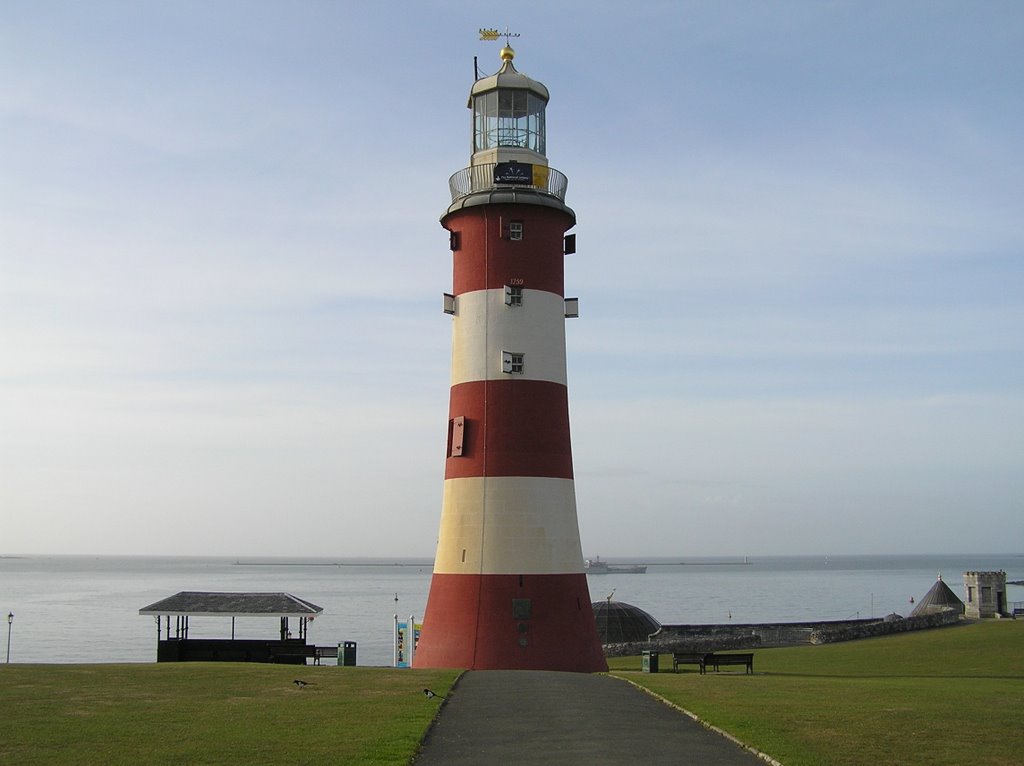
{"x":512,"y":362}
{"x":454,"y":240}
{"x":572,"y":308}
{"x":449,"y":303}
{"x":521,"y":608}
{"x":569,"y":245}
{"x":513,"y":295}
{"x":515,"y":231}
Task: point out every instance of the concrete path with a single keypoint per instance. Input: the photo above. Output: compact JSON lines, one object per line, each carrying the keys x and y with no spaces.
{"x":522,"y":717}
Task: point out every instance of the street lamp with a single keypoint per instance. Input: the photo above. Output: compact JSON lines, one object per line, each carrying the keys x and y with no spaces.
{"x":10,"y":621}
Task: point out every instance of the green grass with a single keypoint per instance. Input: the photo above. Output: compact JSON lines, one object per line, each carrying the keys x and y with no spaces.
{"x":947,"y":696}
{"x":222,"y":713}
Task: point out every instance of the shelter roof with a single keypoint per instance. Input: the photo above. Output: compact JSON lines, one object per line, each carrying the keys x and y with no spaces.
{"x":202,"y":603}
{"x":619,"y":622}
{"x":938,"y":597}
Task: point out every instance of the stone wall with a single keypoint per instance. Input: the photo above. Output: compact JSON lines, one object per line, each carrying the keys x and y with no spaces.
{"x":832,"y":634}
{"x":715,"y":638}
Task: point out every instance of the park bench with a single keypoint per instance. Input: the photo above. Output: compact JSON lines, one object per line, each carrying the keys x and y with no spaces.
{"x":325,"y":652}
{"x":1017,"y":612}
{"x":717,"y":660}
{"x":689,"y":658}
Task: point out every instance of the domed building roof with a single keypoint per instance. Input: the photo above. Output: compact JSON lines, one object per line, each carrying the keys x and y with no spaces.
{"x":939,"y":597}
{"x":508,"y":77}
{"x":619,"y":623}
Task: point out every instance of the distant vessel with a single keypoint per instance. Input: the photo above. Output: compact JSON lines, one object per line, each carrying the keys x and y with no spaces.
{"x":596,"y":566}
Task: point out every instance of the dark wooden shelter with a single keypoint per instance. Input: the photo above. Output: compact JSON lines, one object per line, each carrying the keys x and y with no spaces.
{"x":178,"y":647}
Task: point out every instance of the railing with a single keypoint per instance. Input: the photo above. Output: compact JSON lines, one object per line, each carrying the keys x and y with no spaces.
{"x":479,"y":178}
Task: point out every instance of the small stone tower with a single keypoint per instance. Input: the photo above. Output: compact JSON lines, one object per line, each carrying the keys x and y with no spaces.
{"x":985,"y":594}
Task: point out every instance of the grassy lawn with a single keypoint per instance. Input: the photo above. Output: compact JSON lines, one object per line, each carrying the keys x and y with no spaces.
{"x":223,"y":713}
{"x":947,"y":696}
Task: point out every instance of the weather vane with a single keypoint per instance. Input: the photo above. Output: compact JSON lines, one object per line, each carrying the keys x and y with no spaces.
{"x":494,"y":34}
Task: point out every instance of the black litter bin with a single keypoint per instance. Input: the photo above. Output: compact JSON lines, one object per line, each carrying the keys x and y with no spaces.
{"x":650,"y":662}
{"x":348,"y":654}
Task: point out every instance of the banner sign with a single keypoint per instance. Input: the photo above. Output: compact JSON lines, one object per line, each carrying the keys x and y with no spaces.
{"x":513,"y":173}
{"x":406,"y":641}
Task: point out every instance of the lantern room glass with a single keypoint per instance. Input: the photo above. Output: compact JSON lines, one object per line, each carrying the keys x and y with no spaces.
{"x":509,"y":118}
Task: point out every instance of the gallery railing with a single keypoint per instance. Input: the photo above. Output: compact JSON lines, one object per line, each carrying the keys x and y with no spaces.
{"x":506,"y":175}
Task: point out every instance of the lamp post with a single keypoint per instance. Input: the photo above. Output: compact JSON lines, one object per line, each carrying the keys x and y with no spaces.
{"x":10,"y":621}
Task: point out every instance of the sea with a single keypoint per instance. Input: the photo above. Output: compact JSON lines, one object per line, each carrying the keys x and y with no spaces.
{"x":85,"y":609}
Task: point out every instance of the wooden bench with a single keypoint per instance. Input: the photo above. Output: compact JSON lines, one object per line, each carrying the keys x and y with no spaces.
{"x":717,"y":660}
{"x":324,"y":652}
{"x":291,"y":653}
{"x":689,"y":658}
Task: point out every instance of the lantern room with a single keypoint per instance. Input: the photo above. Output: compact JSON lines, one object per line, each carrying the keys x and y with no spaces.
{"x":508,"y":116}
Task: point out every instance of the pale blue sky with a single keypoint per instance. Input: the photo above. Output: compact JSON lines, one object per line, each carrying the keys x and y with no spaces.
{"x":800,"y":272}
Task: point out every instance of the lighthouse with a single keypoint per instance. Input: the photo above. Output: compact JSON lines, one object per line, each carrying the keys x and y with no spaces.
{"x":509,"y":590}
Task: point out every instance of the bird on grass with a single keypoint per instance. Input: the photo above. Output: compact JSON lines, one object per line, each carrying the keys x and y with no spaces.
{"x":301,"y":683}
{"x":430,"y":695}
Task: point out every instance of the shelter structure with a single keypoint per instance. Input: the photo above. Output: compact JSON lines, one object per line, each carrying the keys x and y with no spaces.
{"x":286,"y":648}
{"x":938,"y":597}
{"x":620,"y":623}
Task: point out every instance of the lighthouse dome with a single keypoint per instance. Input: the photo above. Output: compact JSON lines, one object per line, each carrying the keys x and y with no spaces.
{"x":508,"y":77}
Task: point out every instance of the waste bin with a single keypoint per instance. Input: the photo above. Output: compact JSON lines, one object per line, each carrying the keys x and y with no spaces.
{"x":650,"y":662}
{"x":347,"y":654}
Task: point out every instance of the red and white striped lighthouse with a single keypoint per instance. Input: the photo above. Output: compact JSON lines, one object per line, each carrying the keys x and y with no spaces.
{"x":509,"y":588}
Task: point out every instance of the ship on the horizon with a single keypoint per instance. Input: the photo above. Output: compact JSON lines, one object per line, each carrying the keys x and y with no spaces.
{"x":596,"y":566}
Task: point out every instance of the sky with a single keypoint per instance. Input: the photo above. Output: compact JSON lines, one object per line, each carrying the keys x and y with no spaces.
{"x":800,"y":268}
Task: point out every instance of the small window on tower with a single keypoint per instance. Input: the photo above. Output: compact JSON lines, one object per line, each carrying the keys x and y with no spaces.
{"x":515,"y":230}
{"x":456,"y":435}
{"x":512,"y":362}
{"x":521,"y":608}
{"x":513,"y":295}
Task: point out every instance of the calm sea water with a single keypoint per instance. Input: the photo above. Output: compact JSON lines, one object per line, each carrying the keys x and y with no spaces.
{"x":85,"y":609}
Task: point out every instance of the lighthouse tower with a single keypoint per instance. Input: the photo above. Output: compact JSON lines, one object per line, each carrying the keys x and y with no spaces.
{"x":509,"y":588}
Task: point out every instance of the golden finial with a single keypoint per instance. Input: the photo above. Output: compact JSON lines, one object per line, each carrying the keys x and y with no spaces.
{"x":507,"y":54}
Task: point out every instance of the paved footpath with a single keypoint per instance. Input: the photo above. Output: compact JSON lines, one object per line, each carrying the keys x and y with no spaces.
{"x":523,"y":717}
